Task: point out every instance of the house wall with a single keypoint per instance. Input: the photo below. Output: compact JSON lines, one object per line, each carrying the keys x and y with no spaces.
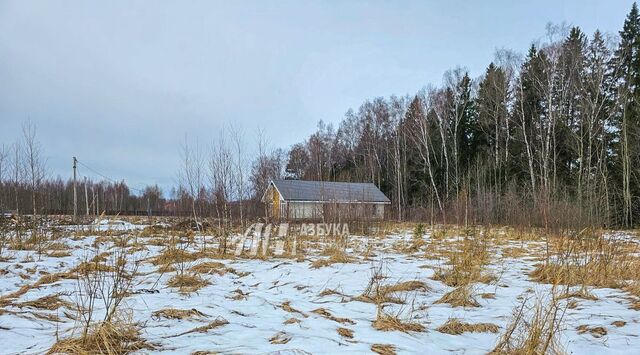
{"x":332,"y":211}
{"x":304,"y":210}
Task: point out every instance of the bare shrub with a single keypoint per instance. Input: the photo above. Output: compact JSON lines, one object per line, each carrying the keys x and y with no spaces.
{"x":534,"y":328}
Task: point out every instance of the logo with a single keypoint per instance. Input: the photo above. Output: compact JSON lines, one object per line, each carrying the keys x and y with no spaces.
{"x":259,"y":237}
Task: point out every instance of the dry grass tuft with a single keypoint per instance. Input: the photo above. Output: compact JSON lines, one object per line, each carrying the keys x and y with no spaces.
{"x":344,"y":332}
{"x":330,"y":292}
{"x":406,"y":286}
{"x":239,"y":295}
{"x":383,"y":349}
{"x":583,"y":293}
{"x":456,"y":327}
{"x":292,"y":321}
{"x":218,"y":322}
{"x":280,"y":338}
{"x":214,"y":267}
{"x":86,"y":268}
{"x":459,"y":297}
{"x":174,"y":313}
{"x":117,"y":337}
{"x":386,"y":322}
{"x":58,"y":254}
{"x":286,"y":306}
{"x":336,"y":256}
{"x":619,"y":323}
{"x":596,"y":332}
{"x":534,"y":329}
{"x":466,"y":263}
{"x":326,"y":314}
{"x":589,"y":258}
{"x":50,"y":302}
{"x":187,"y":283}
{"x":172,"y":255}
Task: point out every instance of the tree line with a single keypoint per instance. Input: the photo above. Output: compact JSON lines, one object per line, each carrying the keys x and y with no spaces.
{"x":552,"y":137}
{"x":548,"y":138}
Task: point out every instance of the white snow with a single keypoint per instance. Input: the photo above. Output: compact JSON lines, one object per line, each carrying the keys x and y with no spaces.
{"x":254,"y":320}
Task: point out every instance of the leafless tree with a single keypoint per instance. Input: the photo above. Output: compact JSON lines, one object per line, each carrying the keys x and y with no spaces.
{"x":191,"y":175}
{"x":4,"y":155}
{"x":240,"y":180}
{"x":35,"y":163}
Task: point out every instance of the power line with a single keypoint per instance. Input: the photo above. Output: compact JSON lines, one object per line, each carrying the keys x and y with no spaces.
{"x":106,"y":177}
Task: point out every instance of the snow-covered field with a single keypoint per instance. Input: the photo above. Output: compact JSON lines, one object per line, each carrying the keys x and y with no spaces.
{"x":286,"y":305}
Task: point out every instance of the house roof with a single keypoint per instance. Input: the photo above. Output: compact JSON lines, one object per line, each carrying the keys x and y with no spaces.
{"x":300,"y":190}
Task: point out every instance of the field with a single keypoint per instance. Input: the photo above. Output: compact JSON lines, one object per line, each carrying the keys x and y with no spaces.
{"x":119,"y":287}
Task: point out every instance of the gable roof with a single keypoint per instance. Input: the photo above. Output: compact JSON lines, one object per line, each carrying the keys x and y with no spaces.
{"x":300,"y":190}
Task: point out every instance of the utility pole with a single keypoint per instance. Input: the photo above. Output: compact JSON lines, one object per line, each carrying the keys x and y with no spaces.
{"x":75,"y":194}
{"x":86,"y":195}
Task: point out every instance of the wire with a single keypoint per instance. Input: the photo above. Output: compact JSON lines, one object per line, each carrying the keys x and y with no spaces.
{"x":106,"y":177}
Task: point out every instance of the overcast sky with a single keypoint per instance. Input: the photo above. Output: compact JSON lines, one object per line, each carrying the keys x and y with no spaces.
{"x":119,"y":83}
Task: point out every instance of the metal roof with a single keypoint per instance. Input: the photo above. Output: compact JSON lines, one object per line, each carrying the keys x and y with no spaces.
{"x":300,"y":190}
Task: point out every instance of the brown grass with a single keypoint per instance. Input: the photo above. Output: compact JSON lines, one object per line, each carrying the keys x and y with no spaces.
{"x":345,"y":332}
{"x":280,"y":338}
{"x":286,"y":306}
{"x":383,"y":349}
{"x":292,"y":321}
{"x":590,"y":259}
{"x":465,"y":262}
{"x":406,"y":286}
{"x":619,"y":323}
{"x":188,"y":282}
{"x":214,"y":267}
{"x":596,"y":332}
{"x":326,"y":314}
{"x":174,"y":313}
{"x":172,"y":255}
{"x":336,"y":256}
{"x":582,"y":293}
{"x":455,"y":326}
{"x":459,"y":297}
{"x":218,"y":322}
{"x":387,"y":322}
{"x":104,"y":338}
{"x":533,"y":329}
{"x":50,"y":302}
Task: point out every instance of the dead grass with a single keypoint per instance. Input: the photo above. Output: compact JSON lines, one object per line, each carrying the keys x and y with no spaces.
{"x":619,"y":323}
{"x":292,"y":321}
{"x":455,"y":326}
{"x":383,"y":349}
{"x":174,"y":313}
{"x":215,"y":267}
{"x":286,"y":306}
{"x":218,"y":322}
{"x":590,"y":259}
{"x":534,"y":329}
{"x":345,"y":332}
{"x":50,"y":302}
{"x":335,"y":255}
{"x":118,"y":337}
{"x":596,"y":332}
{"x":188,"y":282}
{"x":459,"y":297}
{"x":582,"y":293}
{"x":280,"y":338}
{"x":326,"y":314}
{"x":387,"y":322}
{"x":172,"y":255}
{"x":466,"y":260}
{"x":405,"y":286}
{"x":44,"y":280}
